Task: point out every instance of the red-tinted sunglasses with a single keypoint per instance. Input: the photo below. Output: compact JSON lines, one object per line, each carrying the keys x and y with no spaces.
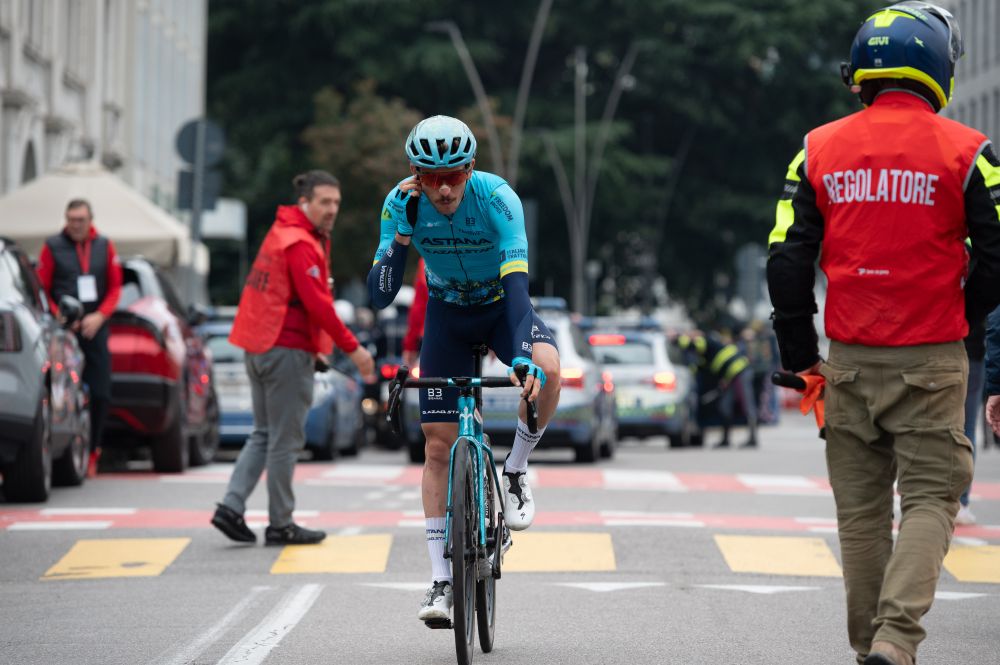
{"x":438,"y":180}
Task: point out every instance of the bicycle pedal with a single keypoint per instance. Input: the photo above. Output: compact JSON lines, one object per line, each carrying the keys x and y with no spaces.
{"x":439,"y":624}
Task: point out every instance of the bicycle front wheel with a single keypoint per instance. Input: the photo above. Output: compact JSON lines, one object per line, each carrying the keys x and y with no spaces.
{"x":486,"y":587}
{"x":464,"y":544}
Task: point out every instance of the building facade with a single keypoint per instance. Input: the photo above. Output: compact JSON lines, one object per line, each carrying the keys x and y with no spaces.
{"x":977,"y":77}
{"x":111,"y":80}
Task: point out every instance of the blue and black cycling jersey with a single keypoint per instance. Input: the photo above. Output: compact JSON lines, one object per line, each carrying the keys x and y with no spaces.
{"x":469,"y":253}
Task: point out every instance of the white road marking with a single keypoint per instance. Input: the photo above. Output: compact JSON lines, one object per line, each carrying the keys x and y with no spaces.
{"x":774,"y":482}
{"x":54,"y":512}
{"x":638,"y":480}
{"x":654,"y":522}
{"x":219,"y":480}
{"x":190,"y":652}
{"x":60,"y":526}
{"x":754,"y":588}
{"x":401,"y":586}
{"x":605,"y":587}
{"x":350,"y":531}
{"x":956,"y":595}
{"x":257,"y":644}
{"x":359,"y":471}
{"x":258,"y":514}
{"x":969,"y":542}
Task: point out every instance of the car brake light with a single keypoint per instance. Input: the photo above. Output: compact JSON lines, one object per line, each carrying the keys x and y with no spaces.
{"x":572,"y":377}
{"x":10,"y":333}
{"x":389,"y":371}
{"x":607,"y":340}
{"x":666,"y":381}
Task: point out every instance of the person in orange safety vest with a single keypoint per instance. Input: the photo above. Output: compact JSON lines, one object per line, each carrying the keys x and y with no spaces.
{"x":890,"y":193}
{"x":285,"y":320}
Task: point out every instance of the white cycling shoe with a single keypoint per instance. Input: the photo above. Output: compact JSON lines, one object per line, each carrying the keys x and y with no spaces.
{"x":437,"y":603}
{"x":518,"y":506}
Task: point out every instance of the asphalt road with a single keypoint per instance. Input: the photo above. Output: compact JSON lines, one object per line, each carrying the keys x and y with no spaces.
{"x":657,"y":556}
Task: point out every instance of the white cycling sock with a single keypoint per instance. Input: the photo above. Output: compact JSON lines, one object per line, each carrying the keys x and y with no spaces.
{"x":524,"y":443}
{"x":440,"y":567}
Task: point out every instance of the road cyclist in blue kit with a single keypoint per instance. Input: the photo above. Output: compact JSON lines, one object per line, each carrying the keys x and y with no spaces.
{"x":468,"y":226}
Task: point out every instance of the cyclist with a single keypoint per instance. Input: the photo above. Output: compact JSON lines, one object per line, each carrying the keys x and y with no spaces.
{"x":889,"y":194}
{"x":469,"y":228}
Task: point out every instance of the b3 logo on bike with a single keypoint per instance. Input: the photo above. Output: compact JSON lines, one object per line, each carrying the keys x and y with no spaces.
{"x":435,"y":393}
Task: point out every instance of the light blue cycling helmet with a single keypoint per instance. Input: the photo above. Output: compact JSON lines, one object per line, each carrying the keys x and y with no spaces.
{"x":440,"y":142}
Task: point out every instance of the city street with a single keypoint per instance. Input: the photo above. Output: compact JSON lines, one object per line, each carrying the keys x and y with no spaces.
{"x":657,"y":556}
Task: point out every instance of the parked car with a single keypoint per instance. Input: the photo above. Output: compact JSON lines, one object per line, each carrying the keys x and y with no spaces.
{"x":44,"y":408}
{"x":584,"y":420}
{"x":334,"y":425}
{"x":653,"y":396}
{"x":162,"y":384}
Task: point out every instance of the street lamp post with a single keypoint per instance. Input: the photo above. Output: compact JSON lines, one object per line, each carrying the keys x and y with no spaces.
{"x":508,"y":169}
{"x":578,"y":203}
{"x":449,"y":28}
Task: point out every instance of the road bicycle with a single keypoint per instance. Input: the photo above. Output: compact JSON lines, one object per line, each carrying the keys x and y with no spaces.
{"x":476,"y":536}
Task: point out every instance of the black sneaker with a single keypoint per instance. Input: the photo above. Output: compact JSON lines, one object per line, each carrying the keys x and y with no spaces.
{"x":293,"y":534}
{"x":231,"y":523}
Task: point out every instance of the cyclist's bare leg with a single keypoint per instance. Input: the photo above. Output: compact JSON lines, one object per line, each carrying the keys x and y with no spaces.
{"x":546,"y":356}
{"x":440,"y":437}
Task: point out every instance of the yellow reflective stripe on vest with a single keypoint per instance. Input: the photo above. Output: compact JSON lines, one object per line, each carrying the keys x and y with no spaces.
{"x":991,"y":176}
{"x":736,"y":367}
{"x":722,"y":357}
{"x":785,"y":215}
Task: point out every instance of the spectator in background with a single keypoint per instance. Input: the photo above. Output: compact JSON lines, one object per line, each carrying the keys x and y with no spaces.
{"x":286,"y":322}
{"x":724,"y":372}
{"x":80,"y":262}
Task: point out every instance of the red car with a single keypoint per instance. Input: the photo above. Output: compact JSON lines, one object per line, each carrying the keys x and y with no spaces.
{"x":162,"y":388}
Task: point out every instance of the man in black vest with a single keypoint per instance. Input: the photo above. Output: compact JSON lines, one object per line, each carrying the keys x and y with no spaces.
{"x":80,"y":263}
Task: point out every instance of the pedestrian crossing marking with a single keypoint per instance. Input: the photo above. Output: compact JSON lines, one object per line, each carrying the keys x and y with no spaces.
{"x":778,"y":555}
{"x":560,"y":552}
{"x":974,"y":564}
{"x":336,"y":554}
{"x":117,"y":557}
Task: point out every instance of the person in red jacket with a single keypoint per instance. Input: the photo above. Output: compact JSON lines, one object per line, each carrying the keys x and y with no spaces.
{"x":80,"y":262}
{"x":415,"y":317}
{"x":891,"y":193}
{"x":285,"y":320}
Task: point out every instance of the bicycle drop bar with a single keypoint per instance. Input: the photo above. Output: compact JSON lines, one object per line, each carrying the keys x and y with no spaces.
{"x":788,"y":380}
{"x":403,"y":380}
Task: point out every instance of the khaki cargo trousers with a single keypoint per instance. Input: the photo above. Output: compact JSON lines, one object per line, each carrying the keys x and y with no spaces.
{"x":895,"y":414}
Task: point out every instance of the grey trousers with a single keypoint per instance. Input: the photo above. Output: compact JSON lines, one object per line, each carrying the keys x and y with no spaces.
{"x":281,"y":385}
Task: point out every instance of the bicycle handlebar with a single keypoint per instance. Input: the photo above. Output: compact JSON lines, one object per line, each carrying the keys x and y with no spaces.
{"x":788,"y":380}
{"x":402,"y":380}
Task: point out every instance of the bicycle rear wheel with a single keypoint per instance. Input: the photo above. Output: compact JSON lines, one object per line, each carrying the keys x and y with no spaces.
{"x":486,"y":587}
{"x":464,"y":543}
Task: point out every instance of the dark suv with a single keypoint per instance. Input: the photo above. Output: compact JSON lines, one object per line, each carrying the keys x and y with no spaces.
{"x":44,"y":410}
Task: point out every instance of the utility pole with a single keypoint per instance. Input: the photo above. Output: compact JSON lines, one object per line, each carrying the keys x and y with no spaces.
{"x":578,"y":201}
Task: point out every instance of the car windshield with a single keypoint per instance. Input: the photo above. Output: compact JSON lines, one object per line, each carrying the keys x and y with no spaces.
{"x":625,"y":353}
{"x":223,"y":351}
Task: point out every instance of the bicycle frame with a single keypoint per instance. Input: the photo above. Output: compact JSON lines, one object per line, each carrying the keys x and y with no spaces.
{"x":471,"y":427}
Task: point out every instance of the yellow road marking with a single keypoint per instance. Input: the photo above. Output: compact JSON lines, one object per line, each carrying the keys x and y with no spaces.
{"x":560,"y":552}
{"x":974,"y":564}
{"x":336,"y":554}
{"x":774,"y":555}
{"x":117,"y":557}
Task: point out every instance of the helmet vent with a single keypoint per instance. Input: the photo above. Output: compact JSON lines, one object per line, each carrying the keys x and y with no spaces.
{"x":426,"y":145}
